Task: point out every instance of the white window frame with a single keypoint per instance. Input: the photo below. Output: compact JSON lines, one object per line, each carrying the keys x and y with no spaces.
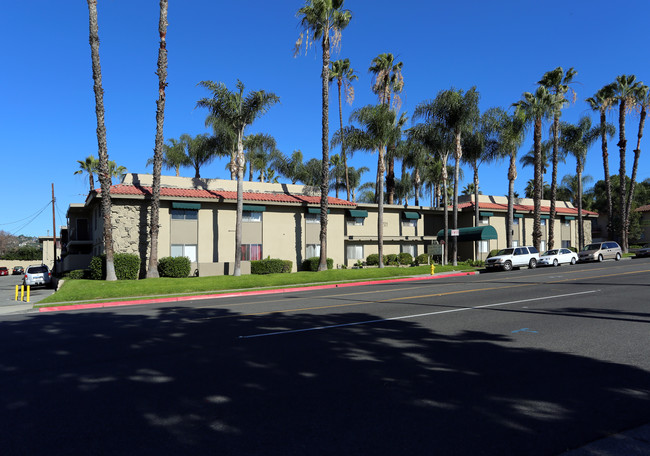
{"x":354,"y":252}
{"x":410,"y":222}
{"x":314,"y":249}
{"x":184,"y":250}
{"x":356,"y":221}
{"x":484,"y":246}
{"x":409,"y":248}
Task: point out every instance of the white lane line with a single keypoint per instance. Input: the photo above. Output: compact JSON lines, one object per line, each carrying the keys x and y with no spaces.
{"x":404,"y":317}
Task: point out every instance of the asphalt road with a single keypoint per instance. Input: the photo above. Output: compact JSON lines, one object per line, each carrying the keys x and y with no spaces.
{"x":531,"y":362}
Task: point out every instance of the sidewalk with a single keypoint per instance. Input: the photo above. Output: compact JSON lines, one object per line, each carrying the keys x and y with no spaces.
{"x":635,"y":442}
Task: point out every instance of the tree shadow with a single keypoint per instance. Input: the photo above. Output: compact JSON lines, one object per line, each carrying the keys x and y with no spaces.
{"x":194,"y":381}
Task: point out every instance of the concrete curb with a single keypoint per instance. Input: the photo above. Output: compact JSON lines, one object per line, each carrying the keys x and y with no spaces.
{"x":247,"y":293}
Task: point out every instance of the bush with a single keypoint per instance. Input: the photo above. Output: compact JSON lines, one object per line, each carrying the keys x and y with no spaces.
{"x":391,"y":259}
{"x":272,"y":266}
{"x":423,"y":258}
{"x":405,"y":258}
{"x":493,"y":253}
{"x":177,"y":267}
{"x":573,"y":249}
{"x":372,"y":259}
{"x":311,"y":264}
{"x":127,"y":266}
{"x":77,"y":274}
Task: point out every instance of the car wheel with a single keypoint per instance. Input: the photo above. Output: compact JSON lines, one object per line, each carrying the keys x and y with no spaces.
{"x":573,"y":261}
{"x":600,"y":258}
{"x":507,"y":266}
{"x":618,"y":256}
{"x":533,"y":263}
{"x":555,"y":263}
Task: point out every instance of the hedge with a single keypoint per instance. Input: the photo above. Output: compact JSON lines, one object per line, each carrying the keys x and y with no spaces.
{"x":405,"y":258}
{"x":422,"y":258}
{"x":77,"y":274}
{"x":271,"y":266}
{"x":127,"y":266}
{"x":177,"y":267}
{"x":311,"y":264}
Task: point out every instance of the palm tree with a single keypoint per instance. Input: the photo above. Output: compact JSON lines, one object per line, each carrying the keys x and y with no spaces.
{"x":625,"y":93}
{"x":324,"y":20}
{"x":200,"y":151}
{"x":115,"y":171}
{"x":568,"y":188}
{"x":344,"y":75}
{"x":311,"y":173}
{"x":641,"y":99}
{"x":104,"y":177}
{"x":338,"y":174}
{"x":367,"y":193}
{"x":602,"y":101}
{"x":173,"y":156}
{"x":261,"y":151}
{"x":576,"y":140}
{"x":458,"y":112}
{"x":378,"y":129}
{"x":154,"y":227}
{"x":529,"y":158}
{"x":89,"y":165}
{"x":537,"y":107}
{"x":292,"y":167}
{"x":557,"y":82}
{"x":355,"y":179}
{"x":235,"y":112}
{"x":388,"y":83}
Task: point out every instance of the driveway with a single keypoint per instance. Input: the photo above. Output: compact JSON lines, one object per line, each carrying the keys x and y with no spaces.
{"x":8,"y":304}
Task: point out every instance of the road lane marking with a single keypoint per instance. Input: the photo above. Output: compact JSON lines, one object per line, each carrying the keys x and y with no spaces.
{"x":405,"y":317}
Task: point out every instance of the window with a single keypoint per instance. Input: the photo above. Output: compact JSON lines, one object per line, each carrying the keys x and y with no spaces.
{"x":409,"y":248}
{"x":313,"y":250}
{"x":250,"y":216}
{"x":542,"y":245}
{"x":184,"y":250}
{"x":542,"y":222}
{"x":356,"y":221}
{"x":515,"y":243}
{"x":251,"y":252}
{"x":410,"y":222}
{"x":484,"y":220}
{"x":355,"y":252}
{"x":567,"y":222}
{"x":312,"y":218}
{"x":515,"y":221}
{"x":484,"y":247}
{"x":185,"y":214}
{"x":566,"y":244}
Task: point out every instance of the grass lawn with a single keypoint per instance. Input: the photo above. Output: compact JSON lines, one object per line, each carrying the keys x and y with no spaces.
{"x":96,"y":290}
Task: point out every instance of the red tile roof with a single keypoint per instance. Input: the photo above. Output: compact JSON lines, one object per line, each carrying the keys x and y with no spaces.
{"x":222,"y":195}
{"x":645,"y":208}
{"x":524,"y":208}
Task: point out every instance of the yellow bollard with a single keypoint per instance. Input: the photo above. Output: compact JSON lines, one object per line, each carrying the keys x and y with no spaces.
{"x":16,"y":297}
{"x":433,"y":268}
{"x":28,"y":287}
{"x":22,"y":292}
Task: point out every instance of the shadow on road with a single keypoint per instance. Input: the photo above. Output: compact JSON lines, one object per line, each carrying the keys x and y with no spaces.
{"x":184,"y":382}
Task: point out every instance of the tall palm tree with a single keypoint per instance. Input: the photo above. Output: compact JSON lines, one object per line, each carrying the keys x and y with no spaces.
{"x":602,"y":101}
{"x":343,"y":74}
{"x":89,"y":166}
{"x":323,"y":20}
{"x":292,"y":167}
{"x":311,"y":173}
{"x":388,"y":83}
{"x":641,"y":99}
{"x":568,"y":188}
{"x":355,"y":179}
{"x":235,"y":112}
{"x":104,"y":177}
{"x":261,"y":149}
{"x":458,"y":112}
{"x":378,"y":129}
{"x":173,"y":156}
{"x":117,"y":172}
{"x":576,"y":140}
{"x":154,"y":226}
{"x":625,"y":93}
{"x":338,"y":174}
{"x":537,"y":107}
{"x":557,"y":82}
{"x":200,"y":151}
{"x":528,"y":159}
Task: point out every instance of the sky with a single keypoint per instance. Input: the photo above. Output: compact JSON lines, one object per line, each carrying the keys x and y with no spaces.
{"x":503,"y":47}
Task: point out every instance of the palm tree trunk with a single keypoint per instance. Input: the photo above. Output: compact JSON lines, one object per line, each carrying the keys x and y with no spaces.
{"x":608,"y":184}
{"x":635,"y":165}
{"x":380,"y":209}
{"x":343,"y":153}
{"x":92,"y":181}
{"x":512,"y":175}
{"x":324,"y":187}
{"x":581,"y":228}
{"x":538,"y":183}
{"x":622,"y":143}
{"x":104,"y":176}
{"x":240,"y":162}
{"x":152,"y":269}
{"x":418,"y":182}
{"x":556,"y":146}
{"x":446,"y":209}
{"x":458,"y":154}
{"x":390,"y":175}
{"x":476,"y":211}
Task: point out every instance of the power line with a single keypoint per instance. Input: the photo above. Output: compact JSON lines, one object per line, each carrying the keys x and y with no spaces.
{"x":31,"y":220}
{"x":29,"y":216}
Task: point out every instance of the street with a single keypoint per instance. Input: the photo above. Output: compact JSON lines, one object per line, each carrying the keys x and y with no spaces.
{"x":527,"y":362}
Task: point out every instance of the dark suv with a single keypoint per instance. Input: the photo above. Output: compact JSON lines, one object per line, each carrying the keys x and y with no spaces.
{"x":38,"y":275}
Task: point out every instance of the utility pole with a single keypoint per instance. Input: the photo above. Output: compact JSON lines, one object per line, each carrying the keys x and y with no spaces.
{"x":54,"y":228}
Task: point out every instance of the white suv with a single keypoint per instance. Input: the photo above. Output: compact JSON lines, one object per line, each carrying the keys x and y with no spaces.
{"x":513,"y":257}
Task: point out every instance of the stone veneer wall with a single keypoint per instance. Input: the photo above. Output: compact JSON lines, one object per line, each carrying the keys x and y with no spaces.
{"x":130,"y":228}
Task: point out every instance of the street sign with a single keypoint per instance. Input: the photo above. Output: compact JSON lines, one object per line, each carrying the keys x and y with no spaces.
{"x":455,"y":232}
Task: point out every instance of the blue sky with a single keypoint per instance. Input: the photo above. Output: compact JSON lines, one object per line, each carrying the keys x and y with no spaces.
{"x":47,"y":117}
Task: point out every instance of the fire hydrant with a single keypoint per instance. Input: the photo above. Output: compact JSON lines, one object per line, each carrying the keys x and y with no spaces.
{"x":433,"y":268}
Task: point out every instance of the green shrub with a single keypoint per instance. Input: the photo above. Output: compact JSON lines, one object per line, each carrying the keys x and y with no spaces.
{"x":372,"y":259}
{"x":405,"y":258}
{"x":272,"y":266}
{"x":177,"y":267}
{"x":493,"y":253}
{"x":76,"y":274}
{"x":573,"y":249}
{"x":127,"y":266}
{"x":423,"y":258}
{"x":391,"y":259}
{"x":311,"y":264}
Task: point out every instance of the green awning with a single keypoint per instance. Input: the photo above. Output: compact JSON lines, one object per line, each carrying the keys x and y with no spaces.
{"x":472,"y":233}
{"x":569,"y":217}
{"x":411,"y":215}
{"x":486,"y":214}
{"x":519,"y":215}
{"x":192,"y":206}
{"x":315,"y":210}
{"x":252,"y":208}
{"x":357,"y":213}
{"x":545,"y":217}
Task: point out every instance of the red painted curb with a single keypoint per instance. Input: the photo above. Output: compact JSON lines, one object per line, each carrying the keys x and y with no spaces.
{"x":243,"y":293}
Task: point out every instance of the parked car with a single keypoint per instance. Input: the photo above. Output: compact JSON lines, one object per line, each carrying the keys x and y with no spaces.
{"x":38,"y":274}
{"x":556,"y":257}
{"x":4,"y":271}
{"x":599,"y":251}
{"x":513,"y":257}
{"x":643,"y":251}
{"x":18,"y":270}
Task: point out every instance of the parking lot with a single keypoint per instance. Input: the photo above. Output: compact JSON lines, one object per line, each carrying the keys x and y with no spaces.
{"x":8,"y":294}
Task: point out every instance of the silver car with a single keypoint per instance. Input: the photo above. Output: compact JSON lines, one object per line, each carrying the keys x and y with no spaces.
{"x":600,"y":251}
{"x":38,"y":274}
